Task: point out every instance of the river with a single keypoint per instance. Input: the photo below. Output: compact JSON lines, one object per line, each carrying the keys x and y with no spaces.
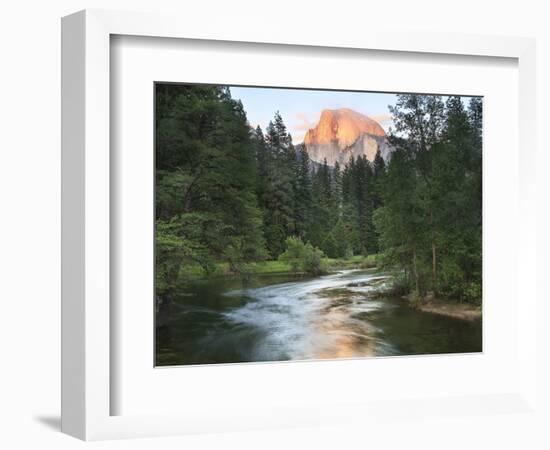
{"x":282,"y":317}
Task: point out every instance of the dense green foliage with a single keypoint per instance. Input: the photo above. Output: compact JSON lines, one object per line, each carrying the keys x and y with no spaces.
{"x":230,"y":195}
{"x":206,"y":206}
{"x":430,"y":221}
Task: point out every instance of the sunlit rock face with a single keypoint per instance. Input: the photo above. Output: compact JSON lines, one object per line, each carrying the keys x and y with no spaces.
{"x":343,"y":133}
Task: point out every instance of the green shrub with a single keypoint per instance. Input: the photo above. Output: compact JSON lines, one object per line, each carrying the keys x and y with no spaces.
{"x":472,"y":293}
{"x":302,"y":256}
{"x":455,"y":285}
{"x":294,"y":253}
{"x":312,"y":260}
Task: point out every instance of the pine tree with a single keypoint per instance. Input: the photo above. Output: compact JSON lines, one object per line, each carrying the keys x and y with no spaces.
{"x":280,"y":208}
{"x":457,"y":195}
{"x":337,"y":188}
{"x":303,"y":194}
{"x":421,"y":118}
{"x":321,"y":207}
{"x":475,"y":116}
{"x":363,"y":193}
{"x":378,"y":169}
{"x":400,"y":221}
{"x":350,"y":207}
{"x":262,"y":164}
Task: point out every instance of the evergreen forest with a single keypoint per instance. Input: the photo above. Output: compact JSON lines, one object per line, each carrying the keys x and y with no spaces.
{"x":232,"y":200}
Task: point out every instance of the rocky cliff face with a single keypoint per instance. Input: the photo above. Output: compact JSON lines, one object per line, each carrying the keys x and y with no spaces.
{"x":342,"y":133}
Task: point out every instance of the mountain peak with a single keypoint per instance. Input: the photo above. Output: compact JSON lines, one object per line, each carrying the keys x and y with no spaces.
{"x":342,"y":126}
{"x":342,"y":133}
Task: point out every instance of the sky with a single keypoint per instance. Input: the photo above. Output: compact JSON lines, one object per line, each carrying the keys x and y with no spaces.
{"x":301,"y":108}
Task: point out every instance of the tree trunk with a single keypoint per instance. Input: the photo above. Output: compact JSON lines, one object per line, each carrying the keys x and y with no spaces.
{"x":415,"y":271}
{"x":434,"y":255}
{"x":434,"y":267}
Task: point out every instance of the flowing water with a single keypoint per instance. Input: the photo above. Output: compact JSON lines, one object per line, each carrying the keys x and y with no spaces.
{"x":279,"y":318}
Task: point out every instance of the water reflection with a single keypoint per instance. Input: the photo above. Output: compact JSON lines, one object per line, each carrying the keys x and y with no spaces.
{"x":334,"y":316}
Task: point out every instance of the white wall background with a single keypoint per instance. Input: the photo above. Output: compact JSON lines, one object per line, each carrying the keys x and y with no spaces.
{"x":30,"y":201}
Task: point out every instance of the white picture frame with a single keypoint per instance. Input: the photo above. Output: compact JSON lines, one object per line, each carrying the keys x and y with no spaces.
{"x":87,"y":386}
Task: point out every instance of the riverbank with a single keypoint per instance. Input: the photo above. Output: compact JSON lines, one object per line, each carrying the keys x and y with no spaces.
{"x":457,"y":310}
{"x":464,"y":311}
{"x":328,"y":265}
{"x":277,"y":267}
{"x":433,"y":305}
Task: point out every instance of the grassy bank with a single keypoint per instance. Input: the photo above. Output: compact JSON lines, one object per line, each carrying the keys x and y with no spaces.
{"x":329,"y":264}
{"x":355,"y":262}
{"x":195,"y":272}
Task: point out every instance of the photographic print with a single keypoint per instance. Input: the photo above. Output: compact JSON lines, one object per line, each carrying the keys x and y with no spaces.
{"x":303,"y":224}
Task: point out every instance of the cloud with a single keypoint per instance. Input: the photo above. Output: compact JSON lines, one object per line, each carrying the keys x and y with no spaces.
{"x":302,"y":123}
{"x":383,"y":119}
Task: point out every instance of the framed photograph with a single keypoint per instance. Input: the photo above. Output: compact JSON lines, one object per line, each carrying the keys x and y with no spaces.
{"x":341,"y":233}
{"x":292,"y":215}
